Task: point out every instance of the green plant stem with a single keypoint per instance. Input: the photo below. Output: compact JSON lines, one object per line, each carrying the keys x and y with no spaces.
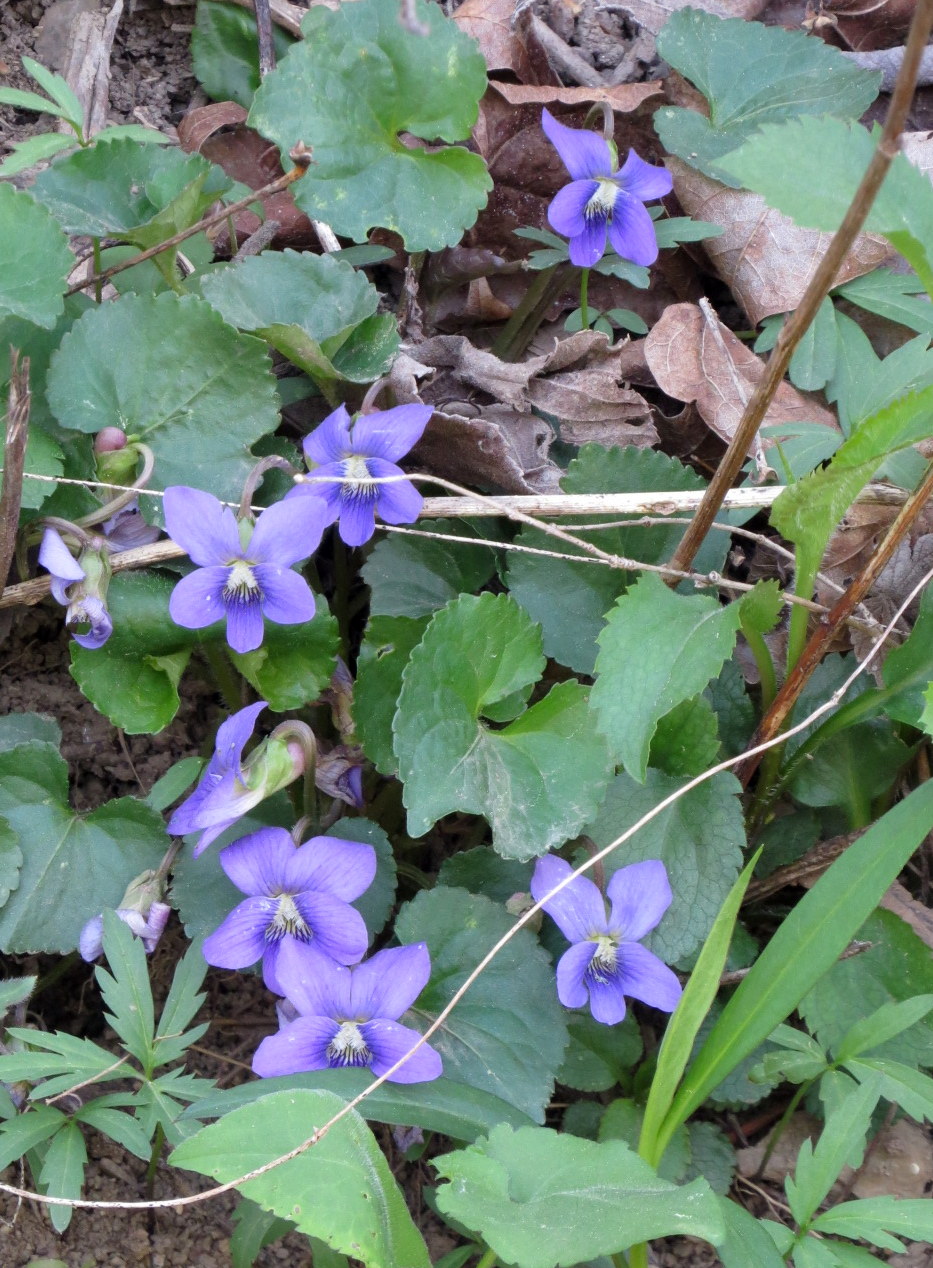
{"x":488,"y":1260}
{"x":637,"y":1256}
{"x":584,"y":291}
{"x":518,"y":331}
{"x":158,"y":1141}
{"x":226,"y":678}
{"x":341,"y":606}
{"x":98,"y":279}
{"x":781,"y":1127}
{"x":763,"y":662}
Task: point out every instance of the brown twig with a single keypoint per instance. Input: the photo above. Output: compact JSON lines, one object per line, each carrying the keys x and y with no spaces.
{"x":820,"y":284}
{"x":14,"y":458}
{"x":828,"y":626}
{"x":264,"y":32}
{"x":300,"y":156}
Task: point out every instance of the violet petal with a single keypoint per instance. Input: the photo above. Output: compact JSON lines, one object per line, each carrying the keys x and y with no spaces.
{"x":607,"y":998}
{"x":357,"y":516}
{"x":198,"y":523}
{"x":299,"y":1046}
{"x":287,"y":531}
{"x":578,"y":910}
{"x":389,"y":982}
{"x":584,"y":153}
{"x":330,"y":441}
{"x":389,"y":1042}
{"x":337,"y":928}
{"x":287,"y":599}
{"x":566,"y":211}
{"x":197,"y":599}
{"x":257,"y":863}
{"x":241,"y":939}
{"x":643,"y":180}
{"x":390,"y":433}
{"x":640,"y":894}
{"x":399,"y":502}
{"x":632,"y":232}
{"x":571,"y":967}
{"x":344,"y":869}
{"x":643,"y":976}
{"x":245,"y":628}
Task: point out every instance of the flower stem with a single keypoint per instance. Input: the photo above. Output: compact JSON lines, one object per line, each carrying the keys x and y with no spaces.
{"x":227,"y":681}
{"x":488,"y":1260}
{"x":584,"y":290}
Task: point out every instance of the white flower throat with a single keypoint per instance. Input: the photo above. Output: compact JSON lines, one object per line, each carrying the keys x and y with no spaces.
{"x":605,"y":961}
{"x":287,"y":920}
{"x":356,"y":472}
{"x":348,"y":1047}
{"x":601,"y":203}
{"x":241,"y":585}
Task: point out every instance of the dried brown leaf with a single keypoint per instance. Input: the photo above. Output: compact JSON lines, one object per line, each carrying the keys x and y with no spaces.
{"x":765,"y":259}
{"x":506,"y":41}
{"x":694,"y":357}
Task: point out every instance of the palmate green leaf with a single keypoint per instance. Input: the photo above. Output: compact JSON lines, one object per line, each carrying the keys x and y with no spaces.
{"x":357,"y":81}
{"x":294,"y":663}
{"x":125,"y":989}
{"x":57,"y":88}
{"x":184,"y":999}
{"x":814,"y":359}
{"x":73,"y":865}
{"x":225,"y":51}
{"x":507,"y":1035}
{"x":119,"y":1126}
{"x":891,"y":295}
{"x":808,"y":511}
{"x":17,"y":1135}
{"x":56,"y":1062}
{"x":141,"y":193}
{"x":341,"y":1190}
{"x":170,"y":372}
{"x":751,"y":75}
{"x":306,"y":306}
{"x":34,"y":260}
{"x":541,"y":1199}
{"x":876,"y":1219}
{"x":133,"y":679}
{"x":699,"y":838}
{"x":536,"y":780}
{"x":443,"y":1106}
{"x":657,"y":650}
{"x":905,"y":1086}
{"x":805,"y":946}
{"x":829,"y":158}
{"x":896,"y":968}
{"x":570,"y":600}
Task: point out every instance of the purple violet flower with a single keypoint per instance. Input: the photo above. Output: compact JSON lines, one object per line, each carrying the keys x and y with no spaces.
{"x":349,"y":1017}
{"x":227,"y":790}
{"x":606,"y":961}
{"x":352,"y":456}
{"x":599,"y":199}
{"x":242,"y":581}
{"x":297,"y":918}
{"x":149,"y":928}
{"x":71,"y":585}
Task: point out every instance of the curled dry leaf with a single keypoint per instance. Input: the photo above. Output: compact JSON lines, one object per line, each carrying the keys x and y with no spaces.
{"x":483,"y":428}
{"x":651,"y":15}
{"x":765,"y":259}
{"x":506,"y":39}
{"x":694,"y":357}
{"x":219,"y":132}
